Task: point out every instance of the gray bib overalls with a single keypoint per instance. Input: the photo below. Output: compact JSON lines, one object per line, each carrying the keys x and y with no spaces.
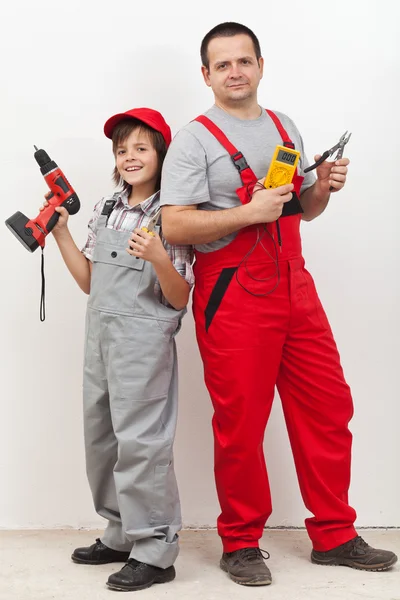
{"x":130,"y":392}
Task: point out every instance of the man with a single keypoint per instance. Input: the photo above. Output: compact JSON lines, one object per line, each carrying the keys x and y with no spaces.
{"x":259,"y":322}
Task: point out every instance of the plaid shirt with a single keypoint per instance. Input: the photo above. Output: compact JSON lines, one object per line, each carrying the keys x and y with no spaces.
{"x":126,"y":218}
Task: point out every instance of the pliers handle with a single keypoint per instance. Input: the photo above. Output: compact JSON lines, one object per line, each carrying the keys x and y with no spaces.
{"x":339,"y":147}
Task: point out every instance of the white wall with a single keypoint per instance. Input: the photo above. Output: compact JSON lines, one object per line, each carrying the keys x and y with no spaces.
{"x":65,"y":68}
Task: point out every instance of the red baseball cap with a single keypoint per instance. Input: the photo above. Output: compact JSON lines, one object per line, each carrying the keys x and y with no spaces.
{"x":151,"y":117}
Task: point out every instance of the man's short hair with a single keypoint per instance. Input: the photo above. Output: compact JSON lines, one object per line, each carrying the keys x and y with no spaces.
{"x":228,"y":29}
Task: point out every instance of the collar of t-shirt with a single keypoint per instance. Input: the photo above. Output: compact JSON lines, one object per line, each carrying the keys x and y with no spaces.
{"x":147,"y":206}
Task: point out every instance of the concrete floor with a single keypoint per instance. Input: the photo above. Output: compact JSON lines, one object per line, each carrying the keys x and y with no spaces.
{"x":36,"y":565}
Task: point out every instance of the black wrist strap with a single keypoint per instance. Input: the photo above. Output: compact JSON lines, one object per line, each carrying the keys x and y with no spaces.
{"x":42,"y":293}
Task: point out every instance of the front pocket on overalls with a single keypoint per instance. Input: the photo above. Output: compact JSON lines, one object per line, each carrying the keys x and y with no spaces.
{"x":169,"y":329}
{"x":217,"y":294}
{"x":141,"y":362}
{"x":116,"y":279}
{"x":107,"y":253}
{"x":169,"y":320}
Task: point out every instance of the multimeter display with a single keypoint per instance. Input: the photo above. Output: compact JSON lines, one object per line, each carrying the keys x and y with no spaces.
{"x":286,"y":157}
{"x":282,"y":168}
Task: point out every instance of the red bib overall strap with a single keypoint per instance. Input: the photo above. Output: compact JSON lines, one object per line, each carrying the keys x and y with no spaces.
{"x":282,"y":131}
{"x":246,"y":174}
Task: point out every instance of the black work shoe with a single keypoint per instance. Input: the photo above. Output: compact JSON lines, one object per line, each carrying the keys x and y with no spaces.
{"x":136,"y":575}
{"x":246,"y":566}
{"x":356,"y":554}
{"x":98,"y":554}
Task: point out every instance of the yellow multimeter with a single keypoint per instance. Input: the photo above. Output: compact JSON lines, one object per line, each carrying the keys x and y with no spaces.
{"x":282,"y":168}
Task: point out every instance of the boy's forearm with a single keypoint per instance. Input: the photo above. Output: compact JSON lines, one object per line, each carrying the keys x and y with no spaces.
{"x":174,"y":287}
{"x":76,"y":262}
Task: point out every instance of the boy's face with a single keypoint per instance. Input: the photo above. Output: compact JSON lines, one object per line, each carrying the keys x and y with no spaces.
{"x":136,"y":159}
{"x":234,"y":73}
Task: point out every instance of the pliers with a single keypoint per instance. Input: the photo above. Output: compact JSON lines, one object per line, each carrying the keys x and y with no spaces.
{"x":152,"y":223}
{"x":339,"y":147}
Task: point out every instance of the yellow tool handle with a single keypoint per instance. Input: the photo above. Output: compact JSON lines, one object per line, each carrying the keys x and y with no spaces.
{"x":145,"y":229}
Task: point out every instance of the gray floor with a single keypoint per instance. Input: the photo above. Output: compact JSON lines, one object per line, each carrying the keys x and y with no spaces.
{"x":35,"y":565}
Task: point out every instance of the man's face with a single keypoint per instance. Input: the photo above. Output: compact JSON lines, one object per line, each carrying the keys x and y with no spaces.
{"x":234,"y":73}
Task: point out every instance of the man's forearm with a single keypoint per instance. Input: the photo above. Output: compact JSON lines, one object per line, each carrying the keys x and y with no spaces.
{"x":203,"y":226}
{"x":313,"y":201}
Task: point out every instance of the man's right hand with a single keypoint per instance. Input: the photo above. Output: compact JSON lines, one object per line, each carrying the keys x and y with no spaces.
{"x":266,"y":206}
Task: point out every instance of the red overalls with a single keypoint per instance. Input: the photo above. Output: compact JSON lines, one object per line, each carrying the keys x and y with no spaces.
{"x":255,"y":330}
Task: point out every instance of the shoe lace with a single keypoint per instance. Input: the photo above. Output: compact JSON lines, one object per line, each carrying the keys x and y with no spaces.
{"x":250,"y":554}
{"x":133,"y":563}
{"x":360,"y":544}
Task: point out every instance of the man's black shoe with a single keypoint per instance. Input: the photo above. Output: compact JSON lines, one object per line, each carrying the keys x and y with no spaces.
{"x":98,"y":554}
{"x":356,"y":554}
{"x":246,"y":566}
{"x":136,"y":575}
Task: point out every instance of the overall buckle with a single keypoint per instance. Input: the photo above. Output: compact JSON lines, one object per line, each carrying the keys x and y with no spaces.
{"x":239,"y":161}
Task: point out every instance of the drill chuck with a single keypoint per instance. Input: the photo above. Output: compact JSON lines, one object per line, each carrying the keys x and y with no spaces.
{"x":44,"y":161}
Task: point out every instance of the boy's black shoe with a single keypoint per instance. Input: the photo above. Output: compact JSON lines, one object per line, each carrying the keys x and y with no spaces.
{"x":356,"y":554}
{"x":136,"y":575}
{"x":98,"y":554}
{"x":246,"y":566}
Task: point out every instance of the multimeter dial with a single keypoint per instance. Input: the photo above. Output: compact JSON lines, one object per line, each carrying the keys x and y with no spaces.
{"x":279,"y":176}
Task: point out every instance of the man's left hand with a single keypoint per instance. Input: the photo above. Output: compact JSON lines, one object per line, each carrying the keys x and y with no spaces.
{"x":332,"y":174}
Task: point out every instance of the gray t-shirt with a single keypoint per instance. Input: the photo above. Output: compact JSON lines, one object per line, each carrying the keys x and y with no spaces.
{"x":198,"y":169}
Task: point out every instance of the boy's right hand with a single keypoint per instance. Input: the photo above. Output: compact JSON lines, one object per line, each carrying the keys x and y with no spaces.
{"x":62,"y":222}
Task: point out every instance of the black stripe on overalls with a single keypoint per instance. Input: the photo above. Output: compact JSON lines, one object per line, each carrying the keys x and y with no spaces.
{"x":218,"y":293}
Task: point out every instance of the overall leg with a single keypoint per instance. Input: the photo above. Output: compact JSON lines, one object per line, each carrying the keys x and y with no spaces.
{"x":241,"y":352}
{"x":144,"y":393}
{"x":318,"y":407}
{"x":100,"y":441}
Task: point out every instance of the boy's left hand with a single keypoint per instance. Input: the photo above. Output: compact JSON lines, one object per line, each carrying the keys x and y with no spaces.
{"x":146,"y":246}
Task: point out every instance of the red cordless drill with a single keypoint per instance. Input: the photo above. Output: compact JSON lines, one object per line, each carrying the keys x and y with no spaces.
{"x":32,"y":232}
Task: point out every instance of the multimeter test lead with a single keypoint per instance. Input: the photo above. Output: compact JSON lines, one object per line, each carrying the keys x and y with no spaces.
{"x":281,"y":171}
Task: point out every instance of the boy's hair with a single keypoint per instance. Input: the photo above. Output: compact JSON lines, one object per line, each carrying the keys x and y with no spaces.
{"x":228,"y":29}
{"x":123,"y":130}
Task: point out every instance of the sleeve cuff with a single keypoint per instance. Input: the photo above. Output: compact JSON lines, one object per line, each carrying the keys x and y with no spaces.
{"x":87,"y":255}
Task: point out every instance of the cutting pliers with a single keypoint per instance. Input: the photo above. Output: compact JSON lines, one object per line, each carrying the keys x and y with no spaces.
{"x":152,"y":223}
{"x":339,"y":147}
